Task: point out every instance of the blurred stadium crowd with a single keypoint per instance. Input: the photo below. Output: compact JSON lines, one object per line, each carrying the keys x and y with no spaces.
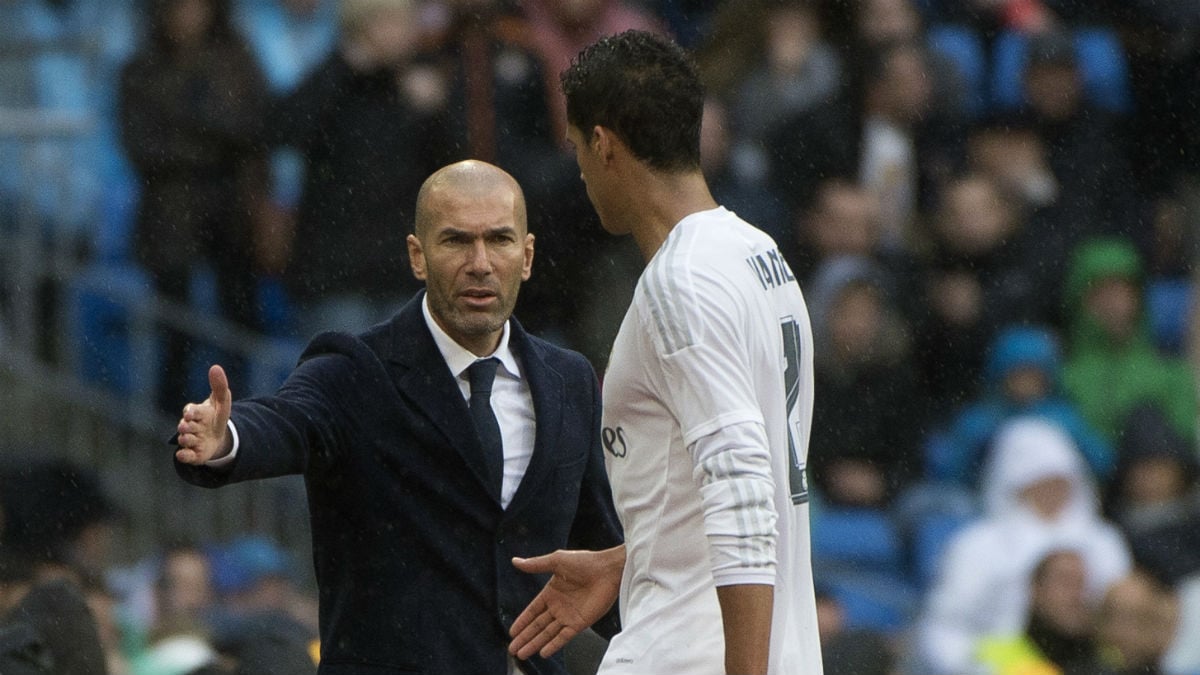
{"x":993,"y":207}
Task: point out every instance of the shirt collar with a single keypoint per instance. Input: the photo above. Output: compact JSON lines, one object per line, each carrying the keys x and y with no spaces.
{"x":459,"y":358}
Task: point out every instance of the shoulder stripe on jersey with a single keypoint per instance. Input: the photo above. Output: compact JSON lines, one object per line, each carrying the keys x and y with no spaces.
{"x":667,"y":302}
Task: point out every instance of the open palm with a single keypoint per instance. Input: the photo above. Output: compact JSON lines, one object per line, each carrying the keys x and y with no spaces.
{"x":583,"y":587}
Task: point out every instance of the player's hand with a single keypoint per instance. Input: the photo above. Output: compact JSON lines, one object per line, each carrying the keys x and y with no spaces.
{"x":203,"y":429}
{"x":583,"y":587}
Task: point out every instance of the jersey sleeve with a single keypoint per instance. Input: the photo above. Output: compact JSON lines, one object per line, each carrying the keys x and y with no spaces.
{"x":709,"y":386}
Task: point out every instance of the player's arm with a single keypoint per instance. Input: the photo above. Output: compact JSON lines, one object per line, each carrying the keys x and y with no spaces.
{"x":746,"y":611}
{"x":709,"y":386}
{"x":737,"y":492}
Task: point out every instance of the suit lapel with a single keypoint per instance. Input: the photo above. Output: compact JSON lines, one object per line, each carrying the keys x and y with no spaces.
{"x":546,"y":388}
{"x":420,"y":374}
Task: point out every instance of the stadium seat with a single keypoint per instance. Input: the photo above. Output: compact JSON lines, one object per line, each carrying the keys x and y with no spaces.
{"x":1101,"y":61}
{"x":108,"y":347}
{"x":271,"y":363}
{"x":964,"y":47}
{"x":1169,"y":308}
{"x":857,"y":539}
{"x":872,"y":601}
{"x":929,"y":539}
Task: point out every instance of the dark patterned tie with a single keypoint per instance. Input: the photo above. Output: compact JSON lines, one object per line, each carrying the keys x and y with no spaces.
{"x":482,"y":374}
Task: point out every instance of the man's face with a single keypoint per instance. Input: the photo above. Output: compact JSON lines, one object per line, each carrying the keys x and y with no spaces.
{"x":1115,"y":305}
{"x":1060,"y":596}
{"x":906,"y":87}
{"x":473,"y":257}
{"x":1053,"y":90}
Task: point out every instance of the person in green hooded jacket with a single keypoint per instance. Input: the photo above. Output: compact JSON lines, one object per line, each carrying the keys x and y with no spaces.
{"x":1112,"y":365}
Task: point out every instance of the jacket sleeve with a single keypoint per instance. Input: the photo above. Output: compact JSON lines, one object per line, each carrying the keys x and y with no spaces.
{"x":308,"y":420}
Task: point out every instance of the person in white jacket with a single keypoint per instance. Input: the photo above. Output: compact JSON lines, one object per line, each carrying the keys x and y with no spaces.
{"x":1037,"y":497}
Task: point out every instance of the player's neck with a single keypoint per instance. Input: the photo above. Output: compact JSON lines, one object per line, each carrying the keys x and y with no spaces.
{"x":662,"y":200}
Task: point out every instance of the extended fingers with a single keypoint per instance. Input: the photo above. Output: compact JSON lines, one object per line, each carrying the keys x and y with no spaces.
{"x":558,"y":642}
{"x":535,"y":637}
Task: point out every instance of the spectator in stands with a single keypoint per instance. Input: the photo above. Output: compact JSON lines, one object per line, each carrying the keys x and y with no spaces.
{"x":370,"y":128}
{"x":562,"y":29}
{"x":739,"y":186}
{"x":1038,"y":497}
{"x":869,"y":416}
{"x":880,"y":22}
{"x":289,"y":38}
{"x":1112,"y":366}
{"x":500,"y":111}
{"x":844,"y":220}
{"x":1059,"y":634}
{"x":58,"y":514}
{"x":794,"y":71}
{"x":45,"y":624}
{"x":1160,"y":42}
{"x":184,"y":597}
{"x":1138,"y":622}
{"x":254,"y":577}
{"x":873,"y":135}
{"x":982,"y":274}
{"x":177,"y":638}
{"x":1155,"y":495}
{"x":1086,"y":149}
{"x":1183,"y":656}
{"x":192,"y":103}
{"x":1022,"y":377}
{"x":258,"y":623}
{"x":103,"y":604}
{"x":1009,"y":150}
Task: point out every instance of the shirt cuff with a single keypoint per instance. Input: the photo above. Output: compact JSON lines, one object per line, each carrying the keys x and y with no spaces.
{"x":225,"y":461}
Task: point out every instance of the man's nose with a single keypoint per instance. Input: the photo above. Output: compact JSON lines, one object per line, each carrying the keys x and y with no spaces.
{"x":479,"y":262}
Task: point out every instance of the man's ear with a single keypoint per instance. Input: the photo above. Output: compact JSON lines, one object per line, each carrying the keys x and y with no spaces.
{"x":604,"y":142}
{"x":416,"y":256}
{"x":527,"y":268}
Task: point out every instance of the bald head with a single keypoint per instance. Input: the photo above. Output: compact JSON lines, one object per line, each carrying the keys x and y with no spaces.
{"x":466,"y":180}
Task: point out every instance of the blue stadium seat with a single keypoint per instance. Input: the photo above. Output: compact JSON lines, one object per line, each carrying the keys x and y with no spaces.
{"x":271,"y":363}
{"x":929,"y":539}
{"x":964,"y":47}
{"x":102,"y":305}
{"x":872,"y":601}
{"x":1169,"y":308}
{"x":1105,"y":69}
{"x":1102,"y":63}
{"x":859,"y":539}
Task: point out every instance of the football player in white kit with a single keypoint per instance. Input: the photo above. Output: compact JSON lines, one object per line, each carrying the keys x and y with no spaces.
{"x":707,"y":402}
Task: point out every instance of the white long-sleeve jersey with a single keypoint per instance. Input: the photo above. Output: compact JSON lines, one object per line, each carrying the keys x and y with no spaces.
{"x":707,"y":408}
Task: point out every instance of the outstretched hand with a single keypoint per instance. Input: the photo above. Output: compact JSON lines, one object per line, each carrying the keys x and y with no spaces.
{"x":203,"y":429}
{"x":583,"y":587}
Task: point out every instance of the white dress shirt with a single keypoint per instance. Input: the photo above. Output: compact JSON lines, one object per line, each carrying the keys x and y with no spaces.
{"x":511,"y":401}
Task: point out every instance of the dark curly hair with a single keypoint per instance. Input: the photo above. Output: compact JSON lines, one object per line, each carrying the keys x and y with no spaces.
{"x":646,"y":90}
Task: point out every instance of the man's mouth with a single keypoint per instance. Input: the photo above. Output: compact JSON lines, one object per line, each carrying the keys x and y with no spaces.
{"x":478,"y":297}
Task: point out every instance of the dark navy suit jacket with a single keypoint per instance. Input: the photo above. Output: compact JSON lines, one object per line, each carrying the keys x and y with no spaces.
{"x":411,"y":547}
